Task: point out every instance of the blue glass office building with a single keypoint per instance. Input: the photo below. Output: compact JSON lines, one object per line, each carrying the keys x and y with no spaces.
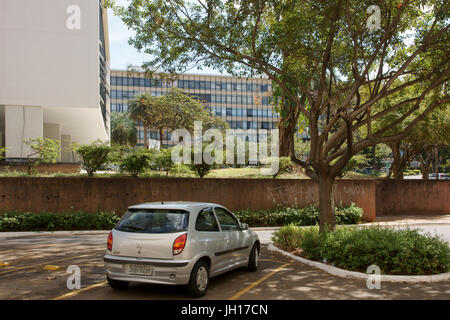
{"x":242,"y":102}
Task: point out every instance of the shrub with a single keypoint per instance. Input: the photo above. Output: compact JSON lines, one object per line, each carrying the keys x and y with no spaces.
{"x":307,"y":216}
{"x":93,"y":156}
{"x":2,"y":151}
{"x":163,"y":161}
{"x":181,"y":169}
{"x":201,"y":169}
{"x":351,"y":214}
{"x":395,"y":251}
{"x":43,"y":150}
{"x":136,"y":161}
{"x":47,"y":221}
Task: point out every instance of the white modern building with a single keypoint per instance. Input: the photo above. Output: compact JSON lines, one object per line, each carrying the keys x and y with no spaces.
{"x":54,"y":73}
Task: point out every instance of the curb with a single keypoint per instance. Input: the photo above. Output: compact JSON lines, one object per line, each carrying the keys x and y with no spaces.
{"x":443,"y":277}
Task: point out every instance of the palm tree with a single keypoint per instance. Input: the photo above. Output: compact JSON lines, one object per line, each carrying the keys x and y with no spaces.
{"x":138,"y":109}
{"x":123,"y":129}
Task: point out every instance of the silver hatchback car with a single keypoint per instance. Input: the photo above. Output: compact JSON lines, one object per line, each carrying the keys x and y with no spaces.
{"x":183,"y":243}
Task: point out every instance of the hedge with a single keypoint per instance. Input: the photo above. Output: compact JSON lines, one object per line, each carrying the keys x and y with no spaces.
{"x":47,"y":221}
{"x":307,"y":216}
{"x":394,"y":251}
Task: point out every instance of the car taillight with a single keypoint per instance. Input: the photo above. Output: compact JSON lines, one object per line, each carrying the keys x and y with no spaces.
{"x":179,"y":244}
{"x":110,"y":241}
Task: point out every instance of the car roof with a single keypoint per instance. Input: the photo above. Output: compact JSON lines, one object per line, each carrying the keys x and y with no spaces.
{"x":175,"y":205}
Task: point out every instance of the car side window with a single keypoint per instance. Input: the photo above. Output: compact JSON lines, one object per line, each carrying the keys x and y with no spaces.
{"x":226,"y":220}
{"x":206,"y":221}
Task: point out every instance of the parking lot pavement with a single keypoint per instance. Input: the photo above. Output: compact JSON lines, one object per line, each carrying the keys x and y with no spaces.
{"x":38,"y":263}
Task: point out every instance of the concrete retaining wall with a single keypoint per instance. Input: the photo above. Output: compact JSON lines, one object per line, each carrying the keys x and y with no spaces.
{"x":94,"y":194}
{"x":413,"y":197}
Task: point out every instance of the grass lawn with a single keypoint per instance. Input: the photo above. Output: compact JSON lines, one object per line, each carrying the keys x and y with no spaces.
{"x":249,"y":173}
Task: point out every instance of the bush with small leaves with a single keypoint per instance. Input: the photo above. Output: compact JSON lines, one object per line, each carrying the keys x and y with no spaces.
{"x":163,"y":161}
{"x":48,"y":221}
{"x":93,"y":156}
{"x":395,"y":251}
{"x":43,"y":150}
{"x":136,"y":161}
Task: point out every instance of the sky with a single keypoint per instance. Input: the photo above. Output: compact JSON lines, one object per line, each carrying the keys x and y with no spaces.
{"x":122,"y":54}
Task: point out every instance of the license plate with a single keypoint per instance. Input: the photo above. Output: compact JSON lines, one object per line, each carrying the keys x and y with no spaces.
{"x":139,"y":269}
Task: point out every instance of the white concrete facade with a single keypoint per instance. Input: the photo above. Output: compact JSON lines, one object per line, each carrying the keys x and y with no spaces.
{"x":54,"y":67}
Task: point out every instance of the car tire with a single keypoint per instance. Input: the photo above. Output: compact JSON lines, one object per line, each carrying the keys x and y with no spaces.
{"x":117,"y":284}
{"x":199,"y":280}
{"x":253,"y":259}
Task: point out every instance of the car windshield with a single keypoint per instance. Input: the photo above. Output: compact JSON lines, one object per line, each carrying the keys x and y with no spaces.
{"x":154,"y":221}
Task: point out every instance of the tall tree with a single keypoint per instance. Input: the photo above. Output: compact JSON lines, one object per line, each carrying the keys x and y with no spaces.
{"x":138,"y":109}
{"x":323,"y":54}
{"x":123,"y":130}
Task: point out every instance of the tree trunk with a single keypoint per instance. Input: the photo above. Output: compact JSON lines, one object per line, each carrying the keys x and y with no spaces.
{"x":286,"y":139}
{"x":146,"y":144}
{"x":160,"y":138}
{"x":398,"y":164}
{"x":436,"y":162}
{"x":425,"y":167}
{"x":327,"y":217}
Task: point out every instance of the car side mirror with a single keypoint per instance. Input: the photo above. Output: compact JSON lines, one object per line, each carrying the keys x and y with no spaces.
{"x":244,"y":226}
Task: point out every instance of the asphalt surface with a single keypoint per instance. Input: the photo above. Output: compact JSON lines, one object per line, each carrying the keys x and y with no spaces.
{"x":38,"y":264}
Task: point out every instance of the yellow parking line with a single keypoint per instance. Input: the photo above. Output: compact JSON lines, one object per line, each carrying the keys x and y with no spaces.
{"x":75,"y":292}
{"x":44,"y":263}
{"x":254,"y":284}
{"x":52,"y":267}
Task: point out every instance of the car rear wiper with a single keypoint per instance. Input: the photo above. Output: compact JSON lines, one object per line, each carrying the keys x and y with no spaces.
{"x":132,"y":227}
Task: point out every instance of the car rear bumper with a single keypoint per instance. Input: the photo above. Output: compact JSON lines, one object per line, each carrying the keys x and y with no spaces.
{"x":164,"y":271}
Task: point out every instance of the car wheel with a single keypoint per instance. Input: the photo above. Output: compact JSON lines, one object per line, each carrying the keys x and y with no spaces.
{"x":198,"y":283}
{"x":117,"y":284}
{"x":253,"y":259}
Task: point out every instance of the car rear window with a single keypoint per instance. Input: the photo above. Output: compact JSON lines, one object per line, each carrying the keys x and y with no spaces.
{"x":154,"y":221}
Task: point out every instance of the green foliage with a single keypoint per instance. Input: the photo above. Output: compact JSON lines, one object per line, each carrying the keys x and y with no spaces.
{"x":163,"y":161}
{"x":202,"y":168}
{"x":123,"y":129}
{"x":172,"y":111}
{"x":302,"y":148}
{"x":181,"y":170}
{"x":307,"y":216}
{"x":357,"y":160}
{"x":93,"y":156}
{"x":351,"y":214}
{"x":136,"y":161}
{"x":2,"y":151}
{"x":284,"y":165}
{"x":43,"y":150}
{"x":47,"y":221}
{"x":395,"y":251}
